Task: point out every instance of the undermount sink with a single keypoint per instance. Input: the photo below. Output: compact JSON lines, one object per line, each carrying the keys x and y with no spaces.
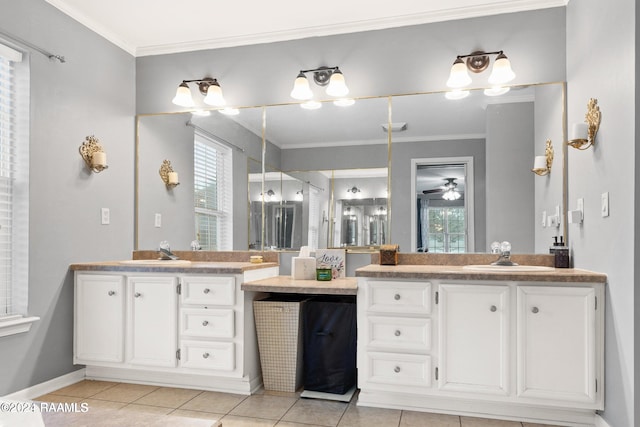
{"x":155,"y":262}
{"x":508,"y":268}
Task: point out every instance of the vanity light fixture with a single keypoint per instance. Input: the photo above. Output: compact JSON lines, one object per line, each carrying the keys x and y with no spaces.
{"x":331,"y":77}
{"x":169,"y":177}
{"x":207,"y":86}
{"x":269,"y":195}
{"x":94,"y":156}
{"x":542,"y":164}
{"x":299,"y":195}
{"x":477,"y":62}
{"x":583,"y":135}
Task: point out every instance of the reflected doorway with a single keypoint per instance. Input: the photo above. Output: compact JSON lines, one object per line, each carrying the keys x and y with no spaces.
{"x":442,"y":217}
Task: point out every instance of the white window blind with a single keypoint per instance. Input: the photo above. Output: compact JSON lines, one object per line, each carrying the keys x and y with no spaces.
{"x":14,"y":182}
{"x":213,"y":186}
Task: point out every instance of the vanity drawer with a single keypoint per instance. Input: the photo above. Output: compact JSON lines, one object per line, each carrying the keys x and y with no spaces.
{"x":207,"y":323}
{"x":219,"y":356}
{"x":399,"y":297}
{"x":398,"y":369}
{"x":209,"y":290}
{"x":399,"y":334}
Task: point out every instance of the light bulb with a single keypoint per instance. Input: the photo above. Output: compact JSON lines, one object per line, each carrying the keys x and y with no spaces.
{"x":337,"y":86}
{"x":459,"y":76}
{"x":183,"y":96}
{"x":214,"y":96}
{"x":301,"y":89}
{"x":501,"y":72}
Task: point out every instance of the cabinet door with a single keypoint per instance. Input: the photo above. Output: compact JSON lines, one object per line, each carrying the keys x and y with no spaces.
{"x":153,"y":320}
{"x":99,"y":318}
{"x":557,"y":343}
{"x":474,"y":339}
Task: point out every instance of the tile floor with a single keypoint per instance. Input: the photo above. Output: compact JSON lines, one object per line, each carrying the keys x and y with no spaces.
{"x":122,"y":404}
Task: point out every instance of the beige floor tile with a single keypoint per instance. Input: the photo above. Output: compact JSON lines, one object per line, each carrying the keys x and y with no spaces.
{"x":94,"y":404}
{"x":57,"y":398}
{"x":124,"y":392}
{"x":146,"y":409}
{"x":211,"y":401}
{"x":237,"y":421}
{"x":360,"y":416}
{"x":538,"y":425}
{"x":264,"y":406}
{"x":316,"y":411}
{"x":168,"y":397}
{"x":425,"y":419}
{"x":485,"y":422}
{"x":290,"y":424}
{"x":196,"y":414}
{"x":85,"y":388}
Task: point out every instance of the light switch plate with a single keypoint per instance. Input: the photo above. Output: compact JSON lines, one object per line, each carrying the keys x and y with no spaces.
{"x":105,"y":216}
{"x":544,"y":219}
{"x":604,"y":209}
{"x":158,"y":220}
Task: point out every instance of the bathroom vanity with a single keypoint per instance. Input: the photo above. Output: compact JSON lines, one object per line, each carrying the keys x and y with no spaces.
{"x":176,"y":324}
{"x":517,"y":345}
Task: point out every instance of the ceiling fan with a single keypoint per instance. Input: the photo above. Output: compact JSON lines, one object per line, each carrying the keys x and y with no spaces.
{"x":448,"y":190}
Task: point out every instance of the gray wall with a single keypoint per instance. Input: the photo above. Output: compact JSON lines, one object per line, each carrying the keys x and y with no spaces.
{"x":91,"y":94}
{"x":607,"y":244}
{"x":510,"y":185}
{"x":401,"y":196}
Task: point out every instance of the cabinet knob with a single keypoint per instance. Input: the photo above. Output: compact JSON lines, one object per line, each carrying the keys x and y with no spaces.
{"x":205,"y":355}
{"x":206,"y":290}
{"x":396,"y":297}
{"x":112,"y":293}
{"x":534,"y":310}
{"x":396,"y":369}
{"x":137,"y":295}
{"x":493,"y":308}
{"x":397,"y":332}
{"x":205,"y":323}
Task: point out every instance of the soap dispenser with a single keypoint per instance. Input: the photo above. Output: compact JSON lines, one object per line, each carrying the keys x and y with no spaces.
{"x":561,"y":253}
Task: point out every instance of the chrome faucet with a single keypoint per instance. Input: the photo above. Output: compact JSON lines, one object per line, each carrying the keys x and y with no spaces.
{"x":165,"y":251}
{"x":505,"y":255}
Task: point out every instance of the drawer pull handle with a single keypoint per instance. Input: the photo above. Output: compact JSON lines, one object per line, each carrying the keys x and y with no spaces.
{"x":397,"y":333}
{"x":206,"y":290}
{"x":137,"y":295}
{"x":493,"y":308}
{"x":534,"y":310}
{"x":205,"y":323}
{"x":396,"y":297}
{"x":396,"y":369}
{"x":205,"y":355}
{"x":112,"y":293}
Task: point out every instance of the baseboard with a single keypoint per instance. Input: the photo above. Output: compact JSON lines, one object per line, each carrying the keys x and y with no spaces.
{"x":48,"y":386}
{"x":600,"y":422}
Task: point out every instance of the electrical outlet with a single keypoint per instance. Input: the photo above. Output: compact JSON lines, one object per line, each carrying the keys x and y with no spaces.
{"x":158,"y":220}
{"x":604,"y":206}
{"x":104,"y":216}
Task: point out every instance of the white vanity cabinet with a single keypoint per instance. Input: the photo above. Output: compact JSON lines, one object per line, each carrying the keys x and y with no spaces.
{"x":99,"y":318}
{"x":531,"y":351}
{"x":176,"y":329}
{"x":152,"y":320}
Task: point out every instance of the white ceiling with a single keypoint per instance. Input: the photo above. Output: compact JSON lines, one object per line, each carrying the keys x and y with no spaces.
{"x":151,"y":27}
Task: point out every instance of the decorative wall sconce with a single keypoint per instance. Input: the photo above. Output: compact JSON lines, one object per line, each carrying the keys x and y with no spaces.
{"x":477,"y":62}
{"x":169,"y":177}
{"x":208,"y":87}
{"x":331,"y":77}
{"x":583,"y":135}
{"x":542,"y":164}
{"x":300,"y":195}
{"x":351,"y":192}
{"x":93,"y":154}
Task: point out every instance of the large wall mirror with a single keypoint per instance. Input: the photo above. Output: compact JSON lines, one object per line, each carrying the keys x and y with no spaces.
{"x":340,"y":180}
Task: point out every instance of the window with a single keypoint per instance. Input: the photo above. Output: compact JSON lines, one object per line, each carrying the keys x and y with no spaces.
{"x":446,"y":229}
{"x":212,"y":180}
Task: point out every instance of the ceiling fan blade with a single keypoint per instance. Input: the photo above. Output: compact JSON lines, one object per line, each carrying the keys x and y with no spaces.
{"x":435,"y":190}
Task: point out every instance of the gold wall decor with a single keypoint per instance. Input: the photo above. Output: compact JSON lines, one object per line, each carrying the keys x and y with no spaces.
{"x":168,"y":175}
{"x":542,"y":164}
{"x":94,"y":156}
{"x":583,"y":135}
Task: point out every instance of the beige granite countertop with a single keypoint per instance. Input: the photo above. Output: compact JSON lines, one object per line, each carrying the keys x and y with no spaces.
{"x":195,"y":267}
{"x":287,"y":284}
{"x":452,"y":272}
